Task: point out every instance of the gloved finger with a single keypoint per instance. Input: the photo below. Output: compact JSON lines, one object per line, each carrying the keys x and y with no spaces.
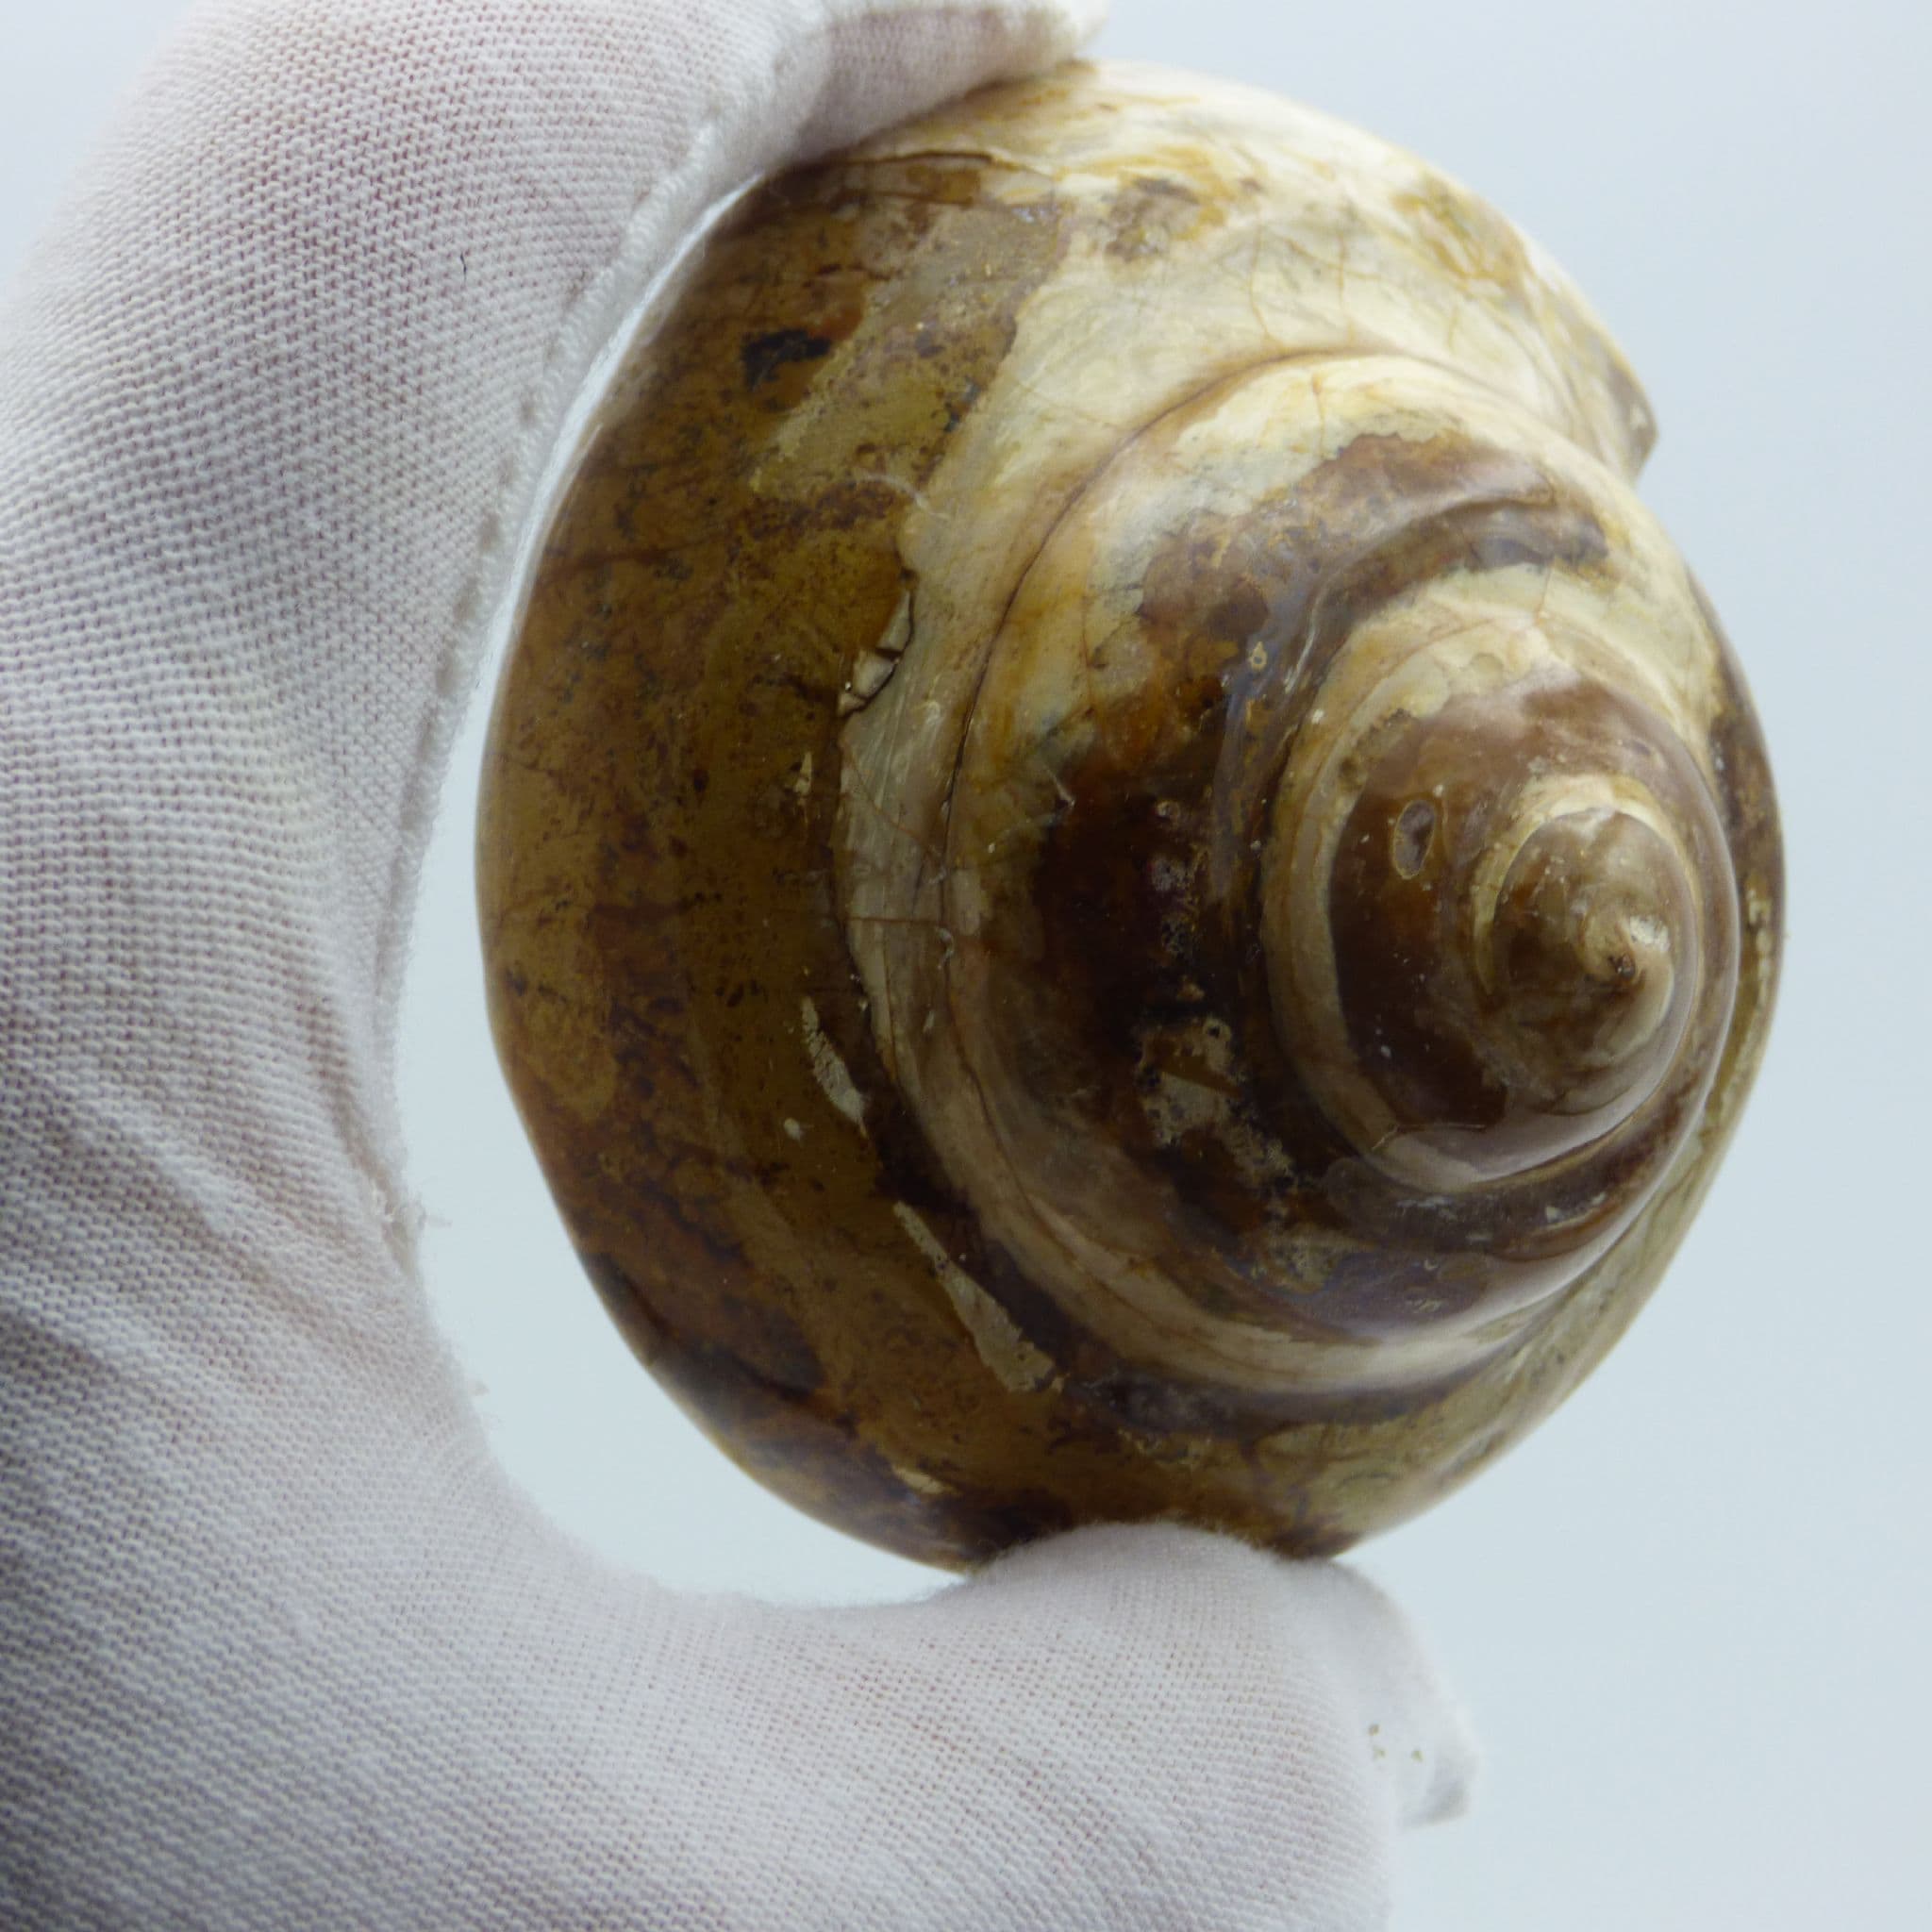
{"x":1343,"y":1645}
{"x":1235,"y":1740}
{"x":1421,"y":1743}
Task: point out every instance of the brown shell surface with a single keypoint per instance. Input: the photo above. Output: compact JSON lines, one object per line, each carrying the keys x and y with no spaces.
{"x":680,"y":801}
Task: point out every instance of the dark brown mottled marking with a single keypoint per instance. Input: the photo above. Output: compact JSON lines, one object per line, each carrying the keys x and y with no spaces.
{"x":764,"y":355}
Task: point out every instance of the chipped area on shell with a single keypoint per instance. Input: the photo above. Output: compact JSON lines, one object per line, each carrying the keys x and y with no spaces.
{"x":1191,"y":1082}
{"x":1002,"y":1347}
{"x":828,"y":1070}
{"x":920,"y":1481}
{"x":869,"y":674}
{"x":1761,"y":924}
{"x":1191,"y":1066}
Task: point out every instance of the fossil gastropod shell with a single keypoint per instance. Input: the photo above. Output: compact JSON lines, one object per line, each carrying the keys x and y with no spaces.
{"x":1121,"y":876}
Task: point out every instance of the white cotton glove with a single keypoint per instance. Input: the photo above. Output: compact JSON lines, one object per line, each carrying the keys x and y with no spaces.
{"x":279,"y":1644}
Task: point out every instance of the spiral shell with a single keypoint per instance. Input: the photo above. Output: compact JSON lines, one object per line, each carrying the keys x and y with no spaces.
{"x":1121,"y":877}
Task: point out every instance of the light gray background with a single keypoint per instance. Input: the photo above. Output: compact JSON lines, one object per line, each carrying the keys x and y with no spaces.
{"x":1687,"y":1614}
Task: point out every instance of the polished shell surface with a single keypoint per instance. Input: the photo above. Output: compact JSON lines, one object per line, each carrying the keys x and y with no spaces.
{"x":1120,"y":876}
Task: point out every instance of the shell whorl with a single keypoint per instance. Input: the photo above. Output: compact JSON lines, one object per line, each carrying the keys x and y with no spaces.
{"x":1288,"y":895}
{"x":1121,"y":877}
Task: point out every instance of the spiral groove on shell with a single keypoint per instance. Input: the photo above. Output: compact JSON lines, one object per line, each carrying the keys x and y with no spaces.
{"x":1122,"y":876}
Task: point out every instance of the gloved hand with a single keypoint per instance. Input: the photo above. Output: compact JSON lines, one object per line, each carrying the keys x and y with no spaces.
{"x":279,"y":1644}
